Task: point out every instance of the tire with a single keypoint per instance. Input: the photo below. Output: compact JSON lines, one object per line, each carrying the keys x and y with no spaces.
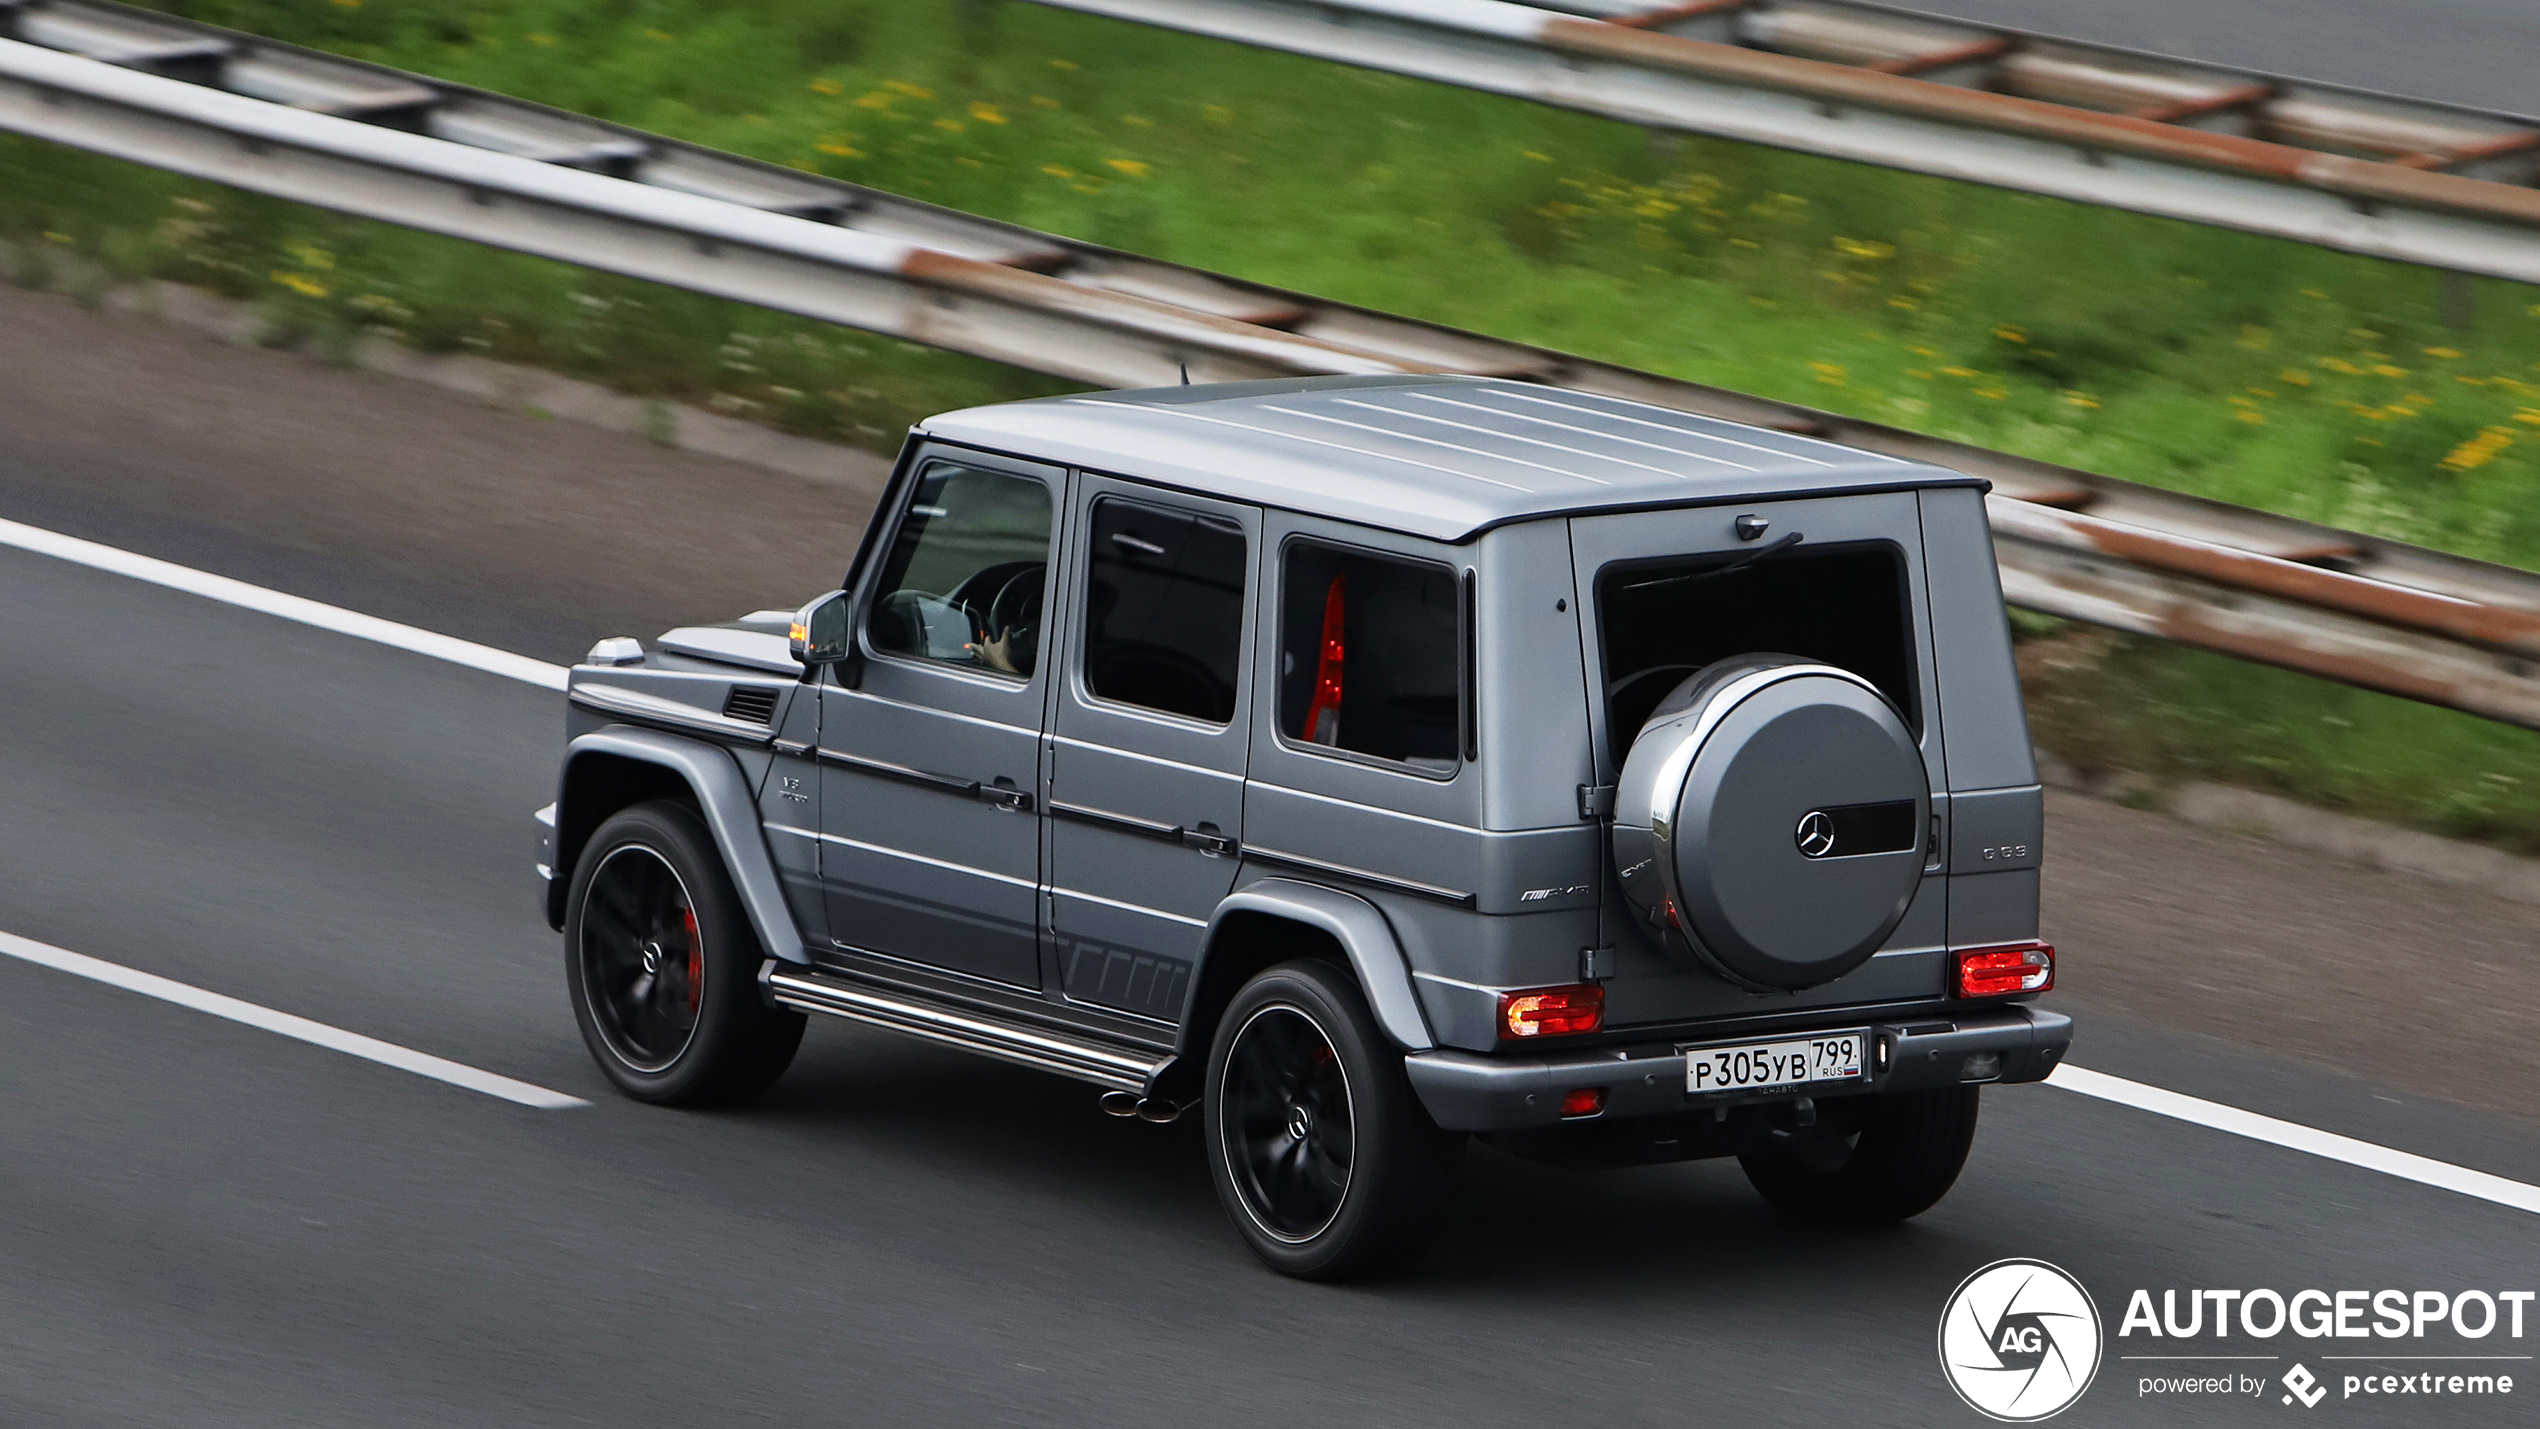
{"x":663,"y":966}
{"x":1322,"y":1155}
{"x":1904,"y":1157}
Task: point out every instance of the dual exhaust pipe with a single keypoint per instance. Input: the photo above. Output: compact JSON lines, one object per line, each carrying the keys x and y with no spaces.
{"x":1156,"y":1111}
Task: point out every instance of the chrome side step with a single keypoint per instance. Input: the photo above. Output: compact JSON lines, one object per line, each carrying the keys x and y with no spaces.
{"x":1050,"y":1051}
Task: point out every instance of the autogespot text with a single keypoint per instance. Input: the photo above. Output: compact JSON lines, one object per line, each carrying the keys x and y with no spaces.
{"x":2416,"y":1344}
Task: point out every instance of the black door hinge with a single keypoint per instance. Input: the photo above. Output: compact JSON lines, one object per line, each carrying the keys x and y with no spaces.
{"x":1596,"y":801}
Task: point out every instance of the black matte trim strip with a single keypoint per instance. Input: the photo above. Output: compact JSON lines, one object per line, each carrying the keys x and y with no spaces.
{"x":948,"y":783}
{"x":1381,"y":880}
{"x":1117,"y":823}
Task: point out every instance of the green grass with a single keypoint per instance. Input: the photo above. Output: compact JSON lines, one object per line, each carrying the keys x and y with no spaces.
{"x":2259,"y":372}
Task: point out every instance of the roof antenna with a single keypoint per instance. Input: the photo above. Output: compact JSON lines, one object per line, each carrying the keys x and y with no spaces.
{"x":1186,"y":374}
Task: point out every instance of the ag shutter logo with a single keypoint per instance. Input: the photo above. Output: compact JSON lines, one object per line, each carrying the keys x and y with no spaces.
{"x":2019,"y":1340}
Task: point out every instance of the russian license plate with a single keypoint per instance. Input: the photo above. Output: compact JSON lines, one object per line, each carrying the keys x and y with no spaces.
{"x":1792,"y":1062}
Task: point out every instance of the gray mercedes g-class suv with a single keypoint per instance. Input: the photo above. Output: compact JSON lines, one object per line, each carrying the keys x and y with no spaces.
{"x":1371,"y":763}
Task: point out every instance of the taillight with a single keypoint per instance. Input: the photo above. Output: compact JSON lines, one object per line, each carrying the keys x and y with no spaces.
{"x":2001,"y":972}
{"x":1552,"y":1011}
{"x":1582,"y":1101}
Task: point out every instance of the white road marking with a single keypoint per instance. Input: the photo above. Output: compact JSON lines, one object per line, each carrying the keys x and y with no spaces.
{"x":289,"y":607}
{"x":2407,"y":1166}
{"x":387,"y":1054}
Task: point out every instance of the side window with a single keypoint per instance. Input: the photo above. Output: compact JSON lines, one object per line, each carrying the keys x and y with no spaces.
{"x":964,"y":580}
{"x":1368,"y":655}
{"x":1164,"y":609}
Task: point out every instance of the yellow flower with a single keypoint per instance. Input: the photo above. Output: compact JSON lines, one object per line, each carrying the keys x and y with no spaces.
{"x":1990,"y":394}
{"x":2446,"y":353}
{"x":53,"y":237}
{"x":2252,"y":416}
{"x":1538,"y":156}
{"x":1924,"y":351}
{"x":2078,"y":400}
{"x":1959,"y":371}
{"x":1064,"y":64}
{"x":1871,"y":249}
{"x":1908,"y":304}
{"x":841,"y":148}
{"x":875,"y":100}
{"x":1058,"y":171}
{"x":2255,"y":338}
{"x":913,"y":91}
{"x":2528,"y":417}
{"x":953,"y":125}
{"x":2479,"y":450}
{"x":348,"y":4}
{"x":664,"y":35}
{"x":300,"y":283}
{"x":1134,"y":168}
{"x":1918,"y":373}
{"x":2384,"y":369}
{"x":1830,"y":373}
{"x":2313,"y":293}
{"x":985,"y":112}
{"x":1043,"y":101}
{"x":827,"y":86}
{"x":2010,"y":333}
{"x":536,"y":39}
{"x":1216,"y":113}
{"x":2294,"y":375}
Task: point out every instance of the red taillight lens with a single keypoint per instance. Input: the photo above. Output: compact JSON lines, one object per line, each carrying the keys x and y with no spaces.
{"x":1583,"y":1101}
{"x":1552,"y":1011}
{"x":2000,"y":972}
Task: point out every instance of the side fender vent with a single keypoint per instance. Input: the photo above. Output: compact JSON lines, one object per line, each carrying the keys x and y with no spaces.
{"x":755,"y":703}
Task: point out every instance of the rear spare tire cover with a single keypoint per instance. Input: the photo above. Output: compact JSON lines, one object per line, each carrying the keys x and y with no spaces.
{"x":1771,"y":821}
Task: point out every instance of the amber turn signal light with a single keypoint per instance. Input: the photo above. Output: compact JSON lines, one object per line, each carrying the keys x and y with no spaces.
{"x":1552,"y":1011}
{"x":2002,"y":972}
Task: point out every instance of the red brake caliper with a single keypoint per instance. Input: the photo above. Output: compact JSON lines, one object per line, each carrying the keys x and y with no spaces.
{"x":696,"y":960}
{"x":1323,"y":716}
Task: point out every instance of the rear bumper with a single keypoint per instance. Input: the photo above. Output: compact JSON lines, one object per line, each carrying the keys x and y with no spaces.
{"x":1467,"y":1092}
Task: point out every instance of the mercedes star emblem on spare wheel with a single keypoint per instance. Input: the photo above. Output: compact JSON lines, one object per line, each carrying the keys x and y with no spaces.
{"x":1816,"y":834}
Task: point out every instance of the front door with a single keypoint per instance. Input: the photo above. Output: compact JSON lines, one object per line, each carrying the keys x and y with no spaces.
{"x":930,"y":765}
{"x":1148,"y":740}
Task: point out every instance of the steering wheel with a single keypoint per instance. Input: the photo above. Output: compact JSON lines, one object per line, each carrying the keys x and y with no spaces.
{"x":1008,"y":628}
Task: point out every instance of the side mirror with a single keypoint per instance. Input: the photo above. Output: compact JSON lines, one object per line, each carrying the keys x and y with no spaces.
{"x":823,"y":633}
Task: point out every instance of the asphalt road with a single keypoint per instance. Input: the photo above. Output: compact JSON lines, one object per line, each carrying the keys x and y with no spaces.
{"x":205,"y":1224}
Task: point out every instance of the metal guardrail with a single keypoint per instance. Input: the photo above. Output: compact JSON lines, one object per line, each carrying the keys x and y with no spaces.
{"x":385,"y":145}
{"x":2342,"y":168}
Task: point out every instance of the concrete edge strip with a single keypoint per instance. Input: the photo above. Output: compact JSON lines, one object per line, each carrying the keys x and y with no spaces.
{"x":352,"y":1044}
{"x":289,"y":607}
{"x":2407,"y":1166}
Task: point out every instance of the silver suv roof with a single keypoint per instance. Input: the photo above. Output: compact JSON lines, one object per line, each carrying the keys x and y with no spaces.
{"x":1442,"y":457}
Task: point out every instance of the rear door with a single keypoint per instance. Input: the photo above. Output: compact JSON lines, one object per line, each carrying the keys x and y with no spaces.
{"x":1146,"y":791}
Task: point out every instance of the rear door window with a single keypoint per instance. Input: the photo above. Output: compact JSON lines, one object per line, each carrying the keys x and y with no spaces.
{"x":1164,"y":609}
{"x":1370,"y":656}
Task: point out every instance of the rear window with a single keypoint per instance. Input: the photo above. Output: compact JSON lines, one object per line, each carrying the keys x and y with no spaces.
{"x":1662,"y":620}
{"x":1370,"y":655}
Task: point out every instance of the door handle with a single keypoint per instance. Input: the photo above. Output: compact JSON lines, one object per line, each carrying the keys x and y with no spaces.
{"x":1015,"y":800}
{"x":1213,"y":844}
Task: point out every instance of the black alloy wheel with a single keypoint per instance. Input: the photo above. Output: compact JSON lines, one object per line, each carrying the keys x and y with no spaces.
{"x":641,"y":957}
{"x":1289,"y":1134}
{"x":1901,"y":1156}
{"x":1324,"y":1158}
{"x":663,"y":964}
